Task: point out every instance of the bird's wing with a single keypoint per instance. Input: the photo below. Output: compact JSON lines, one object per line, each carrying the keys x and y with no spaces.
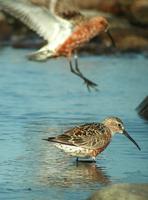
{"x":89,"y":136}
{"x":38,"y":17}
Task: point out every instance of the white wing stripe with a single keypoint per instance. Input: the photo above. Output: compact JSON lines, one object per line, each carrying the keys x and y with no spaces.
{"x":37,"y":18}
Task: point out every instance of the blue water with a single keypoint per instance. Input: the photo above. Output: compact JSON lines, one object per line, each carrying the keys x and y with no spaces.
{"x":38,"y":100}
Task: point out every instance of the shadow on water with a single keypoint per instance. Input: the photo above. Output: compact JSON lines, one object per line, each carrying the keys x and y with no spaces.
{"x":83,"y":174}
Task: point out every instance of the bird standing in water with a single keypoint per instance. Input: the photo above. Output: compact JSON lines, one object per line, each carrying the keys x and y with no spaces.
{"x":61,"y":24}
{"x":89,"y":140}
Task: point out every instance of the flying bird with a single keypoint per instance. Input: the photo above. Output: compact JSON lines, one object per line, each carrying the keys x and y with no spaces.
{"x":62,"y":25}
{"x":89,"y":140}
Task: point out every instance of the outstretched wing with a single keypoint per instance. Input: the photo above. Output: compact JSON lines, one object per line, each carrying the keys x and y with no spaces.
{"x":37,"y":17}
{"x":90,"y":136}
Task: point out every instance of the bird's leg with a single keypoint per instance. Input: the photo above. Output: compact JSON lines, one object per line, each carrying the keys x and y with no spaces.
{"x":86,"y":81}
{"x":111,"y":38}
{"x":77,"y":72}
{"x":76,"y":64}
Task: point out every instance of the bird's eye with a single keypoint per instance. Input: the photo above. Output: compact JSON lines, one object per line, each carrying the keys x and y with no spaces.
{"x":119,"y":125}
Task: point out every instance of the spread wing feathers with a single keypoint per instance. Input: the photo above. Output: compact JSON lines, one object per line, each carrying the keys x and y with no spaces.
{"x":37,"y":18}
{"x":90,"y":136}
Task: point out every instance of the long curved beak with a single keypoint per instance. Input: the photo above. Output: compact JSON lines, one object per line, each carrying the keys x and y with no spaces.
{"x":131,"y":139}
{"x":111,"y":38}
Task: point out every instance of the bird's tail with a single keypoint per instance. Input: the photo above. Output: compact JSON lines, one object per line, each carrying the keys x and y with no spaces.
{"x":41,"y":55}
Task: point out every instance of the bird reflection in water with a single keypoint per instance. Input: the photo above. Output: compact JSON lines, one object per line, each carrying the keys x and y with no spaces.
{"x":91,"y":172}
{"x":81,"y":173}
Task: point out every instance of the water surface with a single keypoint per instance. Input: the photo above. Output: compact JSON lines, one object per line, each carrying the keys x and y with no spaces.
{"x":44,"y":99}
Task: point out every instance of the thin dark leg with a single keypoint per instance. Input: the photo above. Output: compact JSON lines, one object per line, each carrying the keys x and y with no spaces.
{"x":77,"y":72}
{"x":111,"y":38}
{"x":86,"y":81}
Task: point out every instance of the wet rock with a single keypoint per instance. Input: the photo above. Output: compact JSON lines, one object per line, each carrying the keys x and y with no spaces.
{"x":142,"y":109}
{"x":122,"y":192}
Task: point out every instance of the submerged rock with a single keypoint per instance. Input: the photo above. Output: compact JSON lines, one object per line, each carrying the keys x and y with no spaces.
{"x":122,"y":192}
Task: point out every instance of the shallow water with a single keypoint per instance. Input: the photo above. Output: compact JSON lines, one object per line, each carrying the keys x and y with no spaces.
{"x":43,"y":99}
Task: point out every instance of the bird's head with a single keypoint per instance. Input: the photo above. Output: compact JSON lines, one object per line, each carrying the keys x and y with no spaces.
{"x":100,"y":22}
{"x":116,"y":126}
{"x":103,"y":25}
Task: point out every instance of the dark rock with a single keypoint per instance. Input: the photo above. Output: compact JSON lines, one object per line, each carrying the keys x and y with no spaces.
{"x":127,"y":37}
{"x":122,"y":192}
{"x":5,"y":28}
{"x":142,"y":109}
{"x":110,"y":6}
{"x":130,"y":39}
{"x":87,"y":4}
{"x":29,"y":42}
{"x":139,"y":10}
{"x":136,"y":11}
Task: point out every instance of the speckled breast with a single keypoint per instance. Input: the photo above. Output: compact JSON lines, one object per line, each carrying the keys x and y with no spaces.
{"x":74,"y":150}
{"x":95,"y":152}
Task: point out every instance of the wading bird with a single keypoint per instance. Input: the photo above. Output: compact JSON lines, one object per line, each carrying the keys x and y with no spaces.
{"x":61,"y":24}
{"x":89,"y":140}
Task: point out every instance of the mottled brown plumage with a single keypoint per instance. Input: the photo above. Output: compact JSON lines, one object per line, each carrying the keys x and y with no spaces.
{"x":89,"y":140}
{"x":81,"y":34}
